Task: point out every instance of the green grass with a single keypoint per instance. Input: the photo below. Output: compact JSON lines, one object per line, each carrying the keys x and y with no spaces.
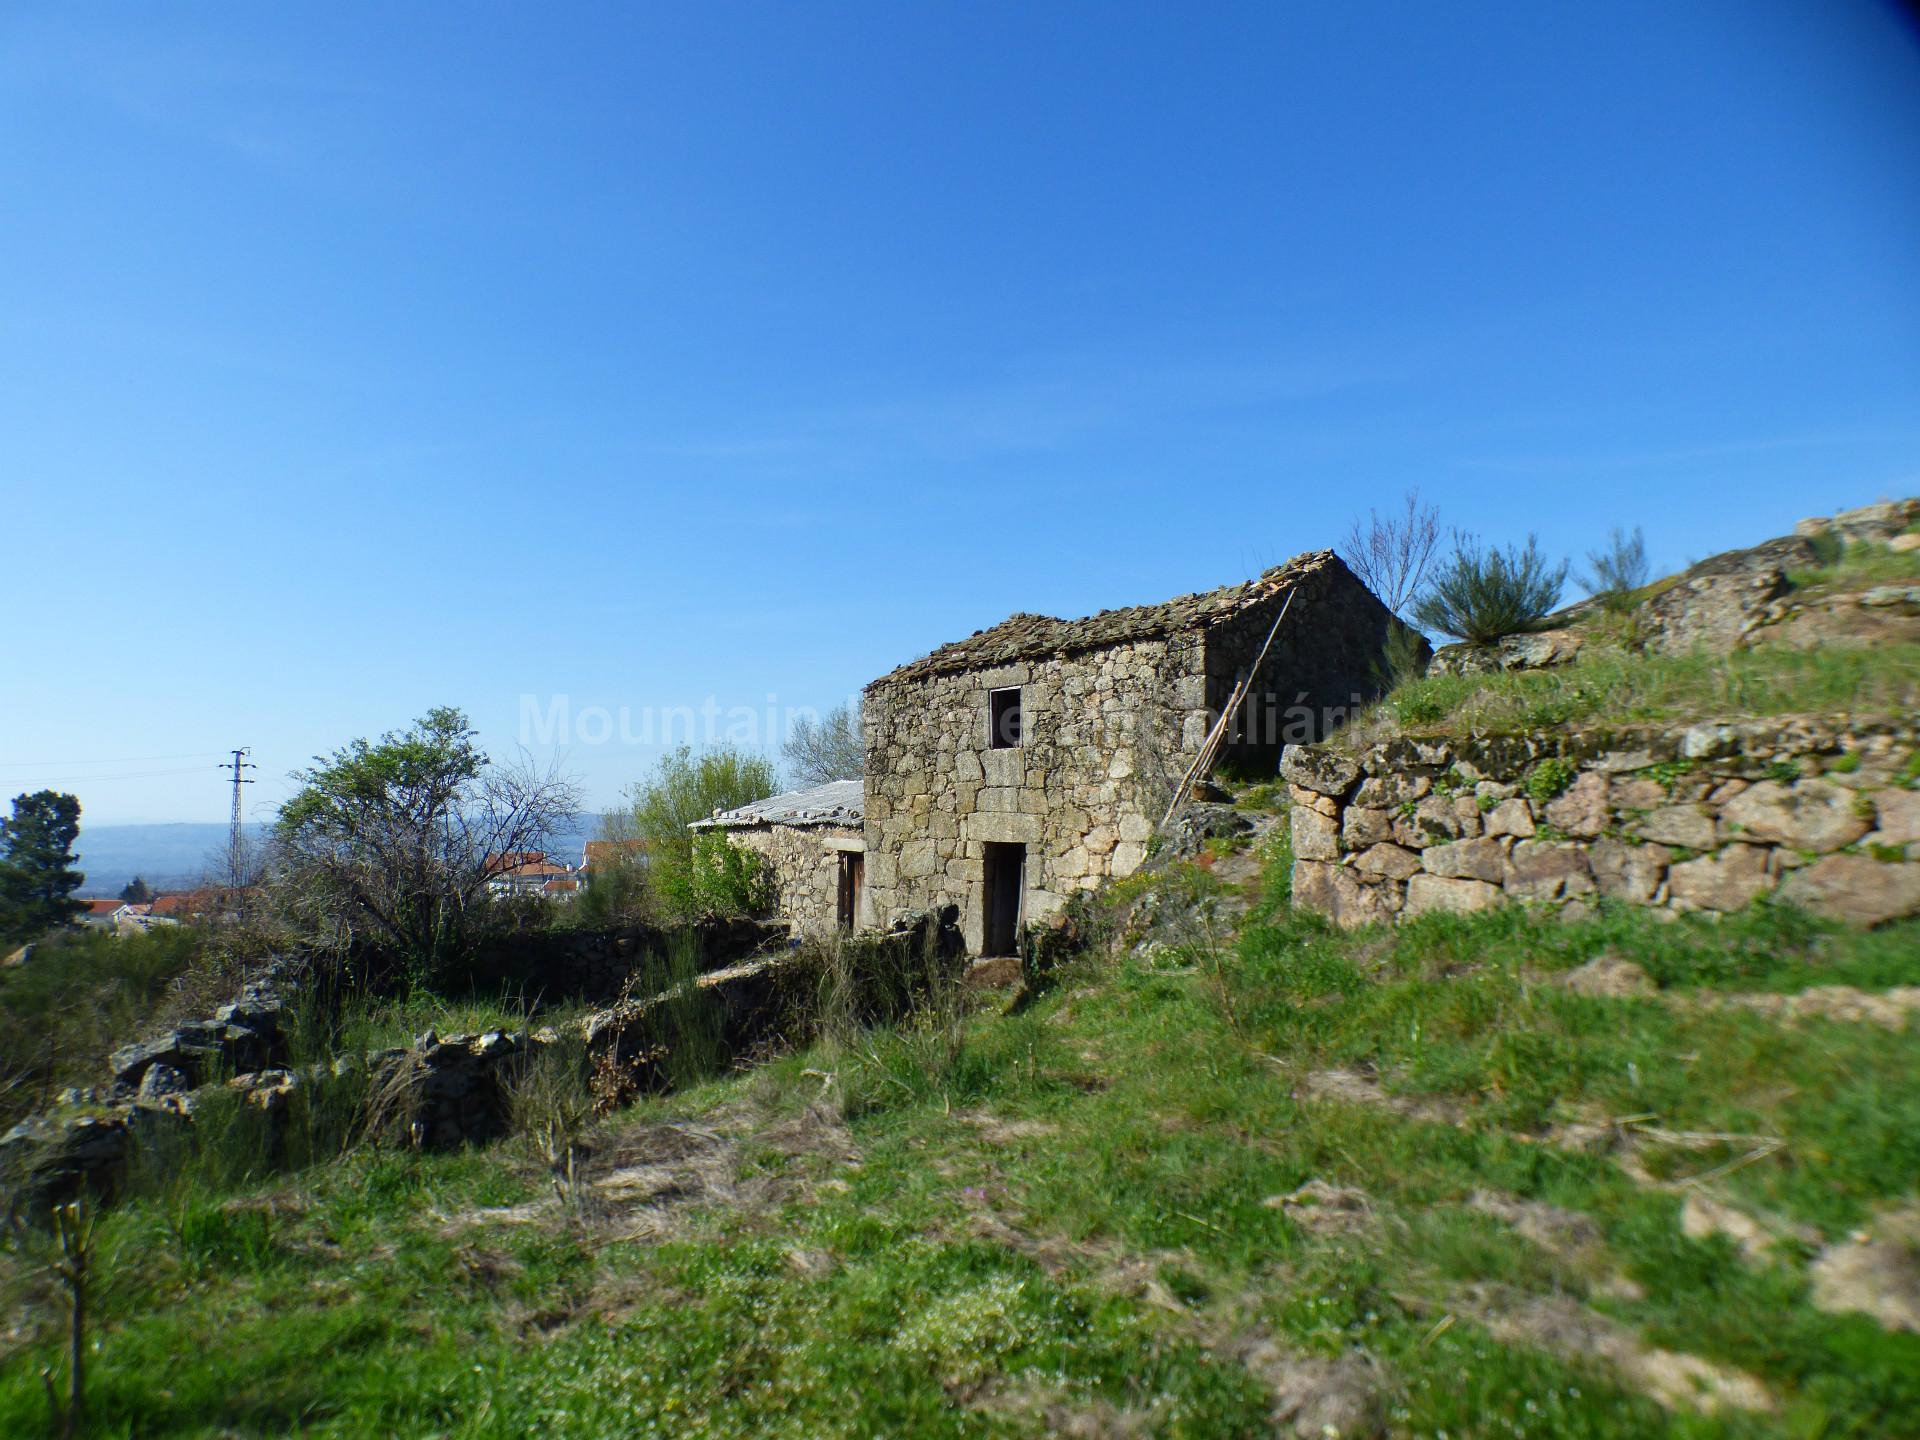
{"x":82,"y":994}
{"x":1860,"y":567}
{"x":1613,"y":688}
{"x":370,"y":1026}
{"x":1021,"y":1221}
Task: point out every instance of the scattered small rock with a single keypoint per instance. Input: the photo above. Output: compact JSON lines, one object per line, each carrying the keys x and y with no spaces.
{"x":1608,"y":977}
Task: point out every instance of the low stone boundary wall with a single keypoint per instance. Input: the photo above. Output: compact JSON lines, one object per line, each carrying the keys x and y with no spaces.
{"x":1820,"y":813}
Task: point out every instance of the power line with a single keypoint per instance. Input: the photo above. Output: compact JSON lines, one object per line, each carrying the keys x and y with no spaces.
{"x":129,"y":775}
{"x":122,"y":760}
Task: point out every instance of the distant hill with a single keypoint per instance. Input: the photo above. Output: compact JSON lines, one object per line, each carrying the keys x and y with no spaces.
{"x":168,"y":857}
{"x":174,"y":857}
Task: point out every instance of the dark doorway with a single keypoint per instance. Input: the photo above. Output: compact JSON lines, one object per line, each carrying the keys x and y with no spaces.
{"x":1006,"y":876}
{"x":853,"y":878}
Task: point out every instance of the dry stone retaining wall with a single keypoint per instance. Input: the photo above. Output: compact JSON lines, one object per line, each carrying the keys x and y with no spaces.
{"x":1815,"y":812}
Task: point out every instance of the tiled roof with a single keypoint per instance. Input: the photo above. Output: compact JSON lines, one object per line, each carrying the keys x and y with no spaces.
{"x":534,"y":868}
{"x":838,"y":802}
{"x":1024,"y":636}
{"x":511,"y":860}
{"x":599,"y":851}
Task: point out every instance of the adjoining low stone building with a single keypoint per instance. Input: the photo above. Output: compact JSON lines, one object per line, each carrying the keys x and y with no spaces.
{"x":815,"y":850}
{"x":1007,"y":770}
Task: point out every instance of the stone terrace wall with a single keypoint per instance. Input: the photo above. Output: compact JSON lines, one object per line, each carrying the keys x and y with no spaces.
{"x":1816,"y":812}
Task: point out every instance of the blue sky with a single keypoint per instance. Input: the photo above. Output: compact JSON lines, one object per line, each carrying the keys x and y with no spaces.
{"x":360,"y":358}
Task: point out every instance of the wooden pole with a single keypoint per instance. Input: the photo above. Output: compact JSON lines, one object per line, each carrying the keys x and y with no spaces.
{"x":1210,"y":747}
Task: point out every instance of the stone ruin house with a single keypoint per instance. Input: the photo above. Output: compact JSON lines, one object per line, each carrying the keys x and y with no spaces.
{"x":814,"y":849}
{"x":1009,"y":769}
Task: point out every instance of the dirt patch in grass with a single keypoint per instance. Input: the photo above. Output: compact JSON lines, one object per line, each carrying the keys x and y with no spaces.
{"x":1316,"y":1396}
{"x":998,"y":1130}
{"x":652,"y":1181}
{"x":1570,"y":1237}
{"x":1893,"y":1008}
{"x":1566,"y":1328}
{"x":1322,"y":1208}
{"x":1058,"y":1412}
{"x":1874,"y":1272}
{"x":1360,"y":1085}
{"x":1760,"y":1238}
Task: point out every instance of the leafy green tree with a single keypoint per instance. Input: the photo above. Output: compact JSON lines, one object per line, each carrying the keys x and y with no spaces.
{"x":688,"y":879}
{"x":718,"y":880}
{"x":136,"y":891}
{"x":37,"y":874}
{"x":395,"y":840}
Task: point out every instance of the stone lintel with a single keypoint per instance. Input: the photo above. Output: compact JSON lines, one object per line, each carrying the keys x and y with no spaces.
{"x":1002,"y":827}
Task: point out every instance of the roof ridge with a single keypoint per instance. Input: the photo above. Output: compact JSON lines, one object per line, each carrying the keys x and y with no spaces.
{"x":1048,"y":635}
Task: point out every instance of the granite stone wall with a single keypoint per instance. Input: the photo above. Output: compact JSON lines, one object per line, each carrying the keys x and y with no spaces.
{"x":1107,"y":734}
{"x":1821,"y":813}
{"x":804,"y":861}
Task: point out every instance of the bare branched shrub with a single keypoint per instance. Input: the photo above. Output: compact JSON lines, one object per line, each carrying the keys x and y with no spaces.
{"x":1393,"y":553}
{"x":62,"y":1252}
{"x":833,"y":747}
{"x":1483,"y":594}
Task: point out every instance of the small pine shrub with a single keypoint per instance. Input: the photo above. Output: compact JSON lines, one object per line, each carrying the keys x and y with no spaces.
{"x":1618,"y":572}
{"x":1403,"y":657}
{"x":1483,"y":595}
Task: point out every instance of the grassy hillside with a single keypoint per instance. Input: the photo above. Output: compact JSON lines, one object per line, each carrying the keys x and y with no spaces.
{"x":1415,"y":1184}
{"x":1613,"y":687}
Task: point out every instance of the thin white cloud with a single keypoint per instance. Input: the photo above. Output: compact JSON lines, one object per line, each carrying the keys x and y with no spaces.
{"x":1044,"y":408}
{"x":1589,"y":463}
